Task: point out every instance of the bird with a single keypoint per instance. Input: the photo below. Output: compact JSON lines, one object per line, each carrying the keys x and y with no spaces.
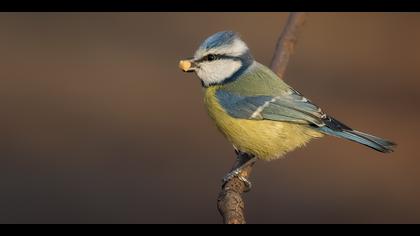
{"x":261,"y":115}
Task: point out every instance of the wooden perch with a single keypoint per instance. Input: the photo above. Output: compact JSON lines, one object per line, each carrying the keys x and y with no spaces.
{"x":230,"y":203}
{"x":286,"y":43}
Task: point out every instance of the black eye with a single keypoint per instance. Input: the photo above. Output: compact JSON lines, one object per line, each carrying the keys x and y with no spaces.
{"x":211,"y":57}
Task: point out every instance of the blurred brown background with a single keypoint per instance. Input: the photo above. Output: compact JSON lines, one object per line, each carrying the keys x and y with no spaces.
{"x":98,"y":124}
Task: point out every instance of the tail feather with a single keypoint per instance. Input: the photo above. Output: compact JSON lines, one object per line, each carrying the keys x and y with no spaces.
{"x":379,"y":144}
{"x":380,"y":141}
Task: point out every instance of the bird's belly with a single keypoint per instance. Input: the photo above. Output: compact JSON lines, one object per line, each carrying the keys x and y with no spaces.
{"x":265,"y":139}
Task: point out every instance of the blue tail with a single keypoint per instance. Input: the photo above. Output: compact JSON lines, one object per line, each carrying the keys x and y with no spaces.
{"x":338,"y":129}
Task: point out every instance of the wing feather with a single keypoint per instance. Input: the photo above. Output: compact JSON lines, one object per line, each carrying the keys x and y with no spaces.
{"x":289,"y":106}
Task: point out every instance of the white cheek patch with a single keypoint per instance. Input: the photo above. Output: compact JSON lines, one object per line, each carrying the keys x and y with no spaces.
{"x":215,"y":72}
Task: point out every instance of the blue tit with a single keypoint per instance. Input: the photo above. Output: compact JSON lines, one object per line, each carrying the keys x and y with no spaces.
{"x":257,"y":111}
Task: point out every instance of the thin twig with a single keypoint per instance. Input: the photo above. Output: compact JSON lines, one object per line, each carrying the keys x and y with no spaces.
{"x":286,"y":44}
{"x":230,"y":203}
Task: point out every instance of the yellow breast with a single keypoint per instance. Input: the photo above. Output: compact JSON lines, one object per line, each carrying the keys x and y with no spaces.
{"x":265,"y":139}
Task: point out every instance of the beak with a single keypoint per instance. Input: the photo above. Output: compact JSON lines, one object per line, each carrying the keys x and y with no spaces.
{"x":187,"y":65}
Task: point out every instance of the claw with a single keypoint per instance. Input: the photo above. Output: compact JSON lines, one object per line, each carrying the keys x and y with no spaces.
{"x":236,"y":173}
{"x":231,"y":175}
{"x":247,"y":182}
{"x":245,"y":161}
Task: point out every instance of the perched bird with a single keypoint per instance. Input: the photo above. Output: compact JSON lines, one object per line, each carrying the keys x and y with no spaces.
{"x":258,"y":112}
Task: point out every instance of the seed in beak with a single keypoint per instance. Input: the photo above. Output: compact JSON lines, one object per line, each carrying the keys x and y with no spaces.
{"x":185,"y":65}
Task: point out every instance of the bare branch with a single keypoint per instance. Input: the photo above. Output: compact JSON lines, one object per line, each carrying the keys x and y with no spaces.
{"x":286,"y":43}
{"x":230,"y":203}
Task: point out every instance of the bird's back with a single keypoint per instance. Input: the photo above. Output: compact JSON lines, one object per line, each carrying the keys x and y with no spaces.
{"x":257,"y":80}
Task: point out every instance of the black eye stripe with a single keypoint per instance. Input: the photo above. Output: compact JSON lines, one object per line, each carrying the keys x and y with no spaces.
{"x":213,"y":57}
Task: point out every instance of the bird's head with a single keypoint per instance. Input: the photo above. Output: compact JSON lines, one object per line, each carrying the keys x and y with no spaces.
{"x":222,"y":57}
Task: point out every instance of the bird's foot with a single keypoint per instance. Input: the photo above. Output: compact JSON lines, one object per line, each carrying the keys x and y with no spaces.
{"x":237,"y":173}
{"x":244,"y":160}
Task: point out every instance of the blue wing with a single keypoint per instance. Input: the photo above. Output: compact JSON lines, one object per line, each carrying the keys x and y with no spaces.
{"x":289,"y":106}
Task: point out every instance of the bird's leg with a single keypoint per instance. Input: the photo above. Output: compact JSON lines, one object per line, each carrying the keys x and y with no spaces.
{"x":243,"y":160}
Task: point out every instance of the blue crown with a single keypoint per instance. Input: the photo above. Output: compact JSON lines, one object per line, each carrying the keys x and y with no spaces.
{"x":218,"y":39}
